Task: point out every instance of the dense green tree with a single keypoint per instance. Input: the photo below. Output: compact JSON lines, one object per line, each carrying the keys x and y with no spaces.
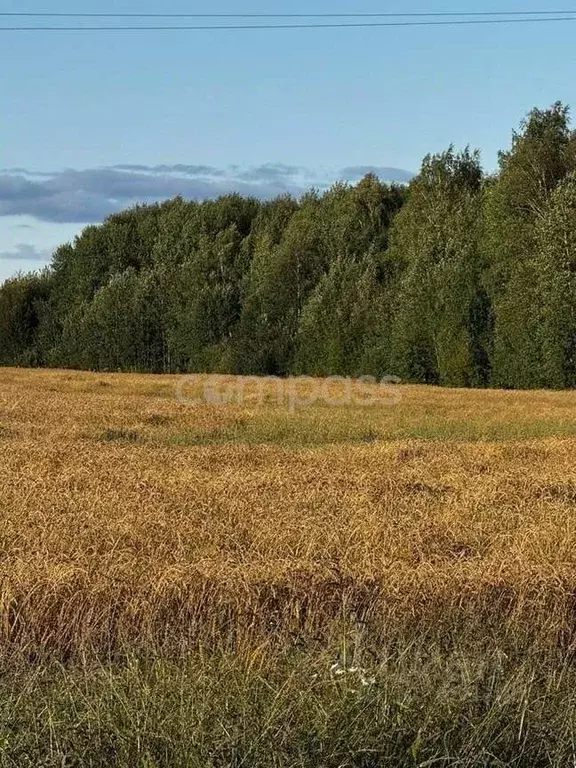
{"x":338,"y":322}
{"x":254,"y":342}
{"x":344,"y":327}
{"x":556,"y":286}
{"x":23,"y":301}
{"x":208,"y":302}
{"x":104,"y":332}
{"x":542,"y":153}
{"x":281,"y":278}
{"x":458,"y":279}
{"x":436,"y":236}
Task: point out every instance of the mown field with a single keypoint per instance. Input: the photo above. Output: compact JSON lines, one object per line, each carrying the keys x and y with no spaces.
{"x":266,"y":583}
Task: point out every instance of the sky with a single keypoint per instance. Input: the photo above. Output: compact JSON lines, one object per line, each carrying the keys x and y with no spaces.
{"x":93,"y":122}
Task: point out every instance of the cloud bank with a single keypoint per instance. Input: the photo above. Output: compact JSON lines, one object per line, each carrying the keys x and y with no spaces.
{"x":24,"y":252}
{"x":89,"y":196}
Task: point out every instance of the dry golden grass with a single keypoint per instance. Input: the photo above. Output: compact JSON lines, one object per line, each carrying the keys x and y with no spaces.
{"x":128,"y":517}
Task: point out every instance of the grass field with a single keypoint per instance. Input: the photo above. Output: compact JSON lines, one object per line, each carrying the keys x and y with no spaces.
{"x":265,"y":583}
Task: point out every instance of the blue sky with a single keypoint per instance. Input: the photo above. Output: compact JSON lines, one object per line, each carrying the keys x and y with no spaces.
{"x":93,"y":122}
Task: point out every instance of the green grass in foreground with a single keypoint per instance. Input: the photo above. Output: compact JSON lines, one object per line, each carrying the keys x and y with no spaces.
{"x":420,"y":706}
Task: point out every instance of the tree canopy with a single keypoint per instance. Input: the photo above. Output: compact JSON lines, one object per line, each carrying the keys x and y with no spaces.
{"x":460,"y":278}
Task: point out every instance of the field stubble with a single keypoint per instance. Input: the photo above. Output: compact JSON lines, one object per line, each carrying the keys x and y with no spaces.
{"x":131,"y":518}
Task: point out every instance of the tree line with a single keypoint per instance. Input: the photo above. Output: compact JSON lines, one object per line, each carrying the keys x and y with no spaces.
{"x":460,"y":278}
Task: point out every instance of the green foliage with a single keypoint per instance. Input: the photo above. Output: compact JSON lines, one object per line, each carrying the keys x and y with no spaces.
{"x":556,"y":287}
{"x":542,"y":154}
{"x":459,"y":279}
{"x":280,"y":280}
{"x":22,"y":308}
{"x":330,"y":334}
{"x":208,"y":302}
{"x":438,"y":328}
{"x":344,"y":326}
